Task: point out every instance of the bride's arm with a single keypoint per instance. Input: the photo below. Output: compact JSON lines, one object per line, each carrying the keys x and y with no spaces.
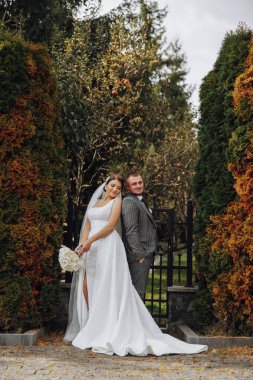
{"x":86,"y":231}
{"x":109,"y":227}
{"x":84,"y":236}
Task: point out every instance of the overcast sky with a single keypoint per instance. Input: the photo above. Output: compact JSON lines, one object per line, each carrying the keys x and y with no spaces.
{"x":200,"y":26}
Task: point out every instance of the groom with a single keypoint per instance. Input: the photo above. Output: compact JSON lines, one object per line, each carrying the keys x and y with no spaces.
{"x":139,"y":233}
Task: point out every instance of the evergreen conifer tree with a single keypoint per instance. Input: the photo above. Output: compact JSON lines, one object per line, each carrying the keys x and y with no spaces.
{"x":213,"y":182}
{"x":38,"y":20}
{"x":32,"y":192}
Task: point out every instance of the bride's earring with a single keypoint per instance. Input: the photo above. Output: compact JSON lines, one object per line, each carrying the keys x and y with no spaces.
{"x":104,"y":191}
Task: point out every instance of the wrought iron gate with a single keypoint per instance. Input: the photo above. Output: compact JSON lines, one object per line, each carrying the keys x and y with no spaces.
{"x":173,"y":263}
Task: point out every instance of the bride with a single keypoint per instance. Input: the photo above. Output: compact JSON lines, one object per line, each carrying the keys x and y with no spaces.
{"x":106,"y":313}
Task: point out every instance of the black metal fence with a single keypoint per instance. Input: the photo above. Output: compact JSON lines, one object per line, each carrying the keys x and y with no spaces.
{"x":173,"y":263}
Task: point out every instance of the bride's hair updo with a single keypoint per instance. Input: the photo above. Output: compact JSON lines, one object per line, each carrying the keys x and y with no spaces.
{"x":117,"y":177}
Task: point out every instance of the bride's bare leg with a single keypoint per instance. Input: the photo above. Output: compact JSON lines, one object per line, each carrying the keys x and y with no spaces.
{"x":85,"y":289}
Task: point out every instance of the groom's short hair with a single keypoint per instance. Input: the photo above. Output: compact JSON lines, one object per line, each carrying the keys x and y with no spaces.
{"x":132,"y":174}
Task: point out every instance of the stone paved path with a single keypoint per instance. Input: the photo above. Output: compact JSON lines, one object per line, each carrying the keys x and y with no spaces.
{"x":53,"y":360}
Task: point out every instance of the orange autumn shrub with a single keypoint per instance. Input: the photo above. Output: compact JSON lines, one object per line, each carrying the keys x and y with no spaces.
{"x":231,"y":233}
{"x":32,"y":186}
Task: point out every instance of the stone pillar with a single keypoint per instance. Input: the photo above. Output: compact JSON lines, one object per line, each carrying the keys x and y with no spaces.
{"x":180,"y":301}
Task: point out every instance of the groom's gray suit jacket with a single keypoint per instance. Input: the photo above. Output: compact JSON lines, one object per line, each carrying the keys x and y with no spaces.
{"x":139,"y":229}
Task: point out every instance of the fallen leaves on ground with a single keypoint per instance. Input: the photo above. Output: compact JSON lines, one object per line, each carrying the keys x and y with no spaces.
{"x":55,"y":338}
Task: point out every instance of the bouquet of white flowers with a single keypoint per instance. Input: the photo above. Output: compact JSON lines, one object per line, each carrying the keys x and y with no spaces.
{"x":69,"y":260}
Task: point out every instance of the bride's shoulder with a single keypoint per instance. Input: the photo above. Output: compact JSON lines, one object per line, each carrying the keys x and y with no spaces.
{"x":116,"y":205}
{"x":117,"y":201}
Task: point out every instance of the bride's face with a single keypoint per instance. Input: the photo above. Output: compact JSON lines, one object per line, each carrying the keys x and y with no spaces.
{"x":113,"y":188}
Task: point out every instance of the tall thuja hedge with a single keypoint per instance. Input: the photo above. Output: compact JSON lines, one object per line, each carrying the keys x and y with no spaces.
{"x":32,"y":174}
{"x":213,"y":182}
{"x":230,"y":277}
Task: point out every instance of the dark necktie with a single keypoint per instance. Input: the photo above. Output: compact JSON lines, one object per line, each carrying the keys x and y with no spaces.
{"x":145,"y":203}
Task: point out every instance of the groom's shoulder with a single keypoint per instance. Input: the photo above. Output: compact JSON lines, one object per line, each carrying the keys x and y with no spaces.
{"x":129,"y":198}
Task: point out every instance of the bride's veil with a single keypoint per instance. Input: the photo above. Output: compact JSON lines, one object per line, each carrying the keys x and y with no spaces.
{"x":76,"y":319}
{"x":95,"y":196}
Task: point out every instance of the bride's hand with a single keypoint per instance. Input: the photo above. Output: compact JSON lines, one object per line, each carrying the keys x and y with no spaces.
{"x":85,"y":246}
{"x":79,"y":249}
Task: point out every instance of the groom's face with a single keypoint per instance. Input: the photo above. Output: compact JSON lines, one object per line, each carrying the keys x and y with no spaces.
{"x":135,"y":185}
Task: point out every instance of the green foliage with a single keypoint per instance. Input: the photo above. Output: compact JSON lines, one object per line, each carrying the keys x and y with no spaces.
{"x":37,"y":20}
{"x":223,"y":248}
{"x":202,"y":307}
{"x":17,"y":306}
{"x":33,"y":175}
{"x":99,"y":102}
{"x":49,"y":300}
{"x":213,"y":183}
{"x":238,"y":142}
{"x":122,"y":93}
{"x":12,"y":56}
{"x":231,"y":232}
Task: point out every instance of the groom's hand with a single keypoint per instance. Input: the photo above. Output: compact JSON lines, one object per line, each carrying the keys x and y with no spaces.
{"x":142,"y":260}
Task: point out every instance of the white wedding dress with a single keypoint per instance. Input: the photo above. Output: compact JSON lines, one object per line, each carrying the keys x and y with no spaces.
{"x":117,"y":321}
